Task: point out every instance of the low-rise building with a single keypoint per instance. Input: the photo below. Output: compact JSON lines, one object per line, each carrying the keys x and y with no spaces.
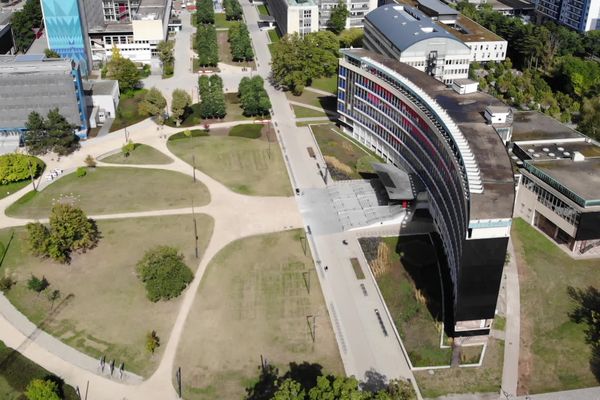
{"x":102,"y":100}
{"x":559,"y":189}
{"x":35,"y":83}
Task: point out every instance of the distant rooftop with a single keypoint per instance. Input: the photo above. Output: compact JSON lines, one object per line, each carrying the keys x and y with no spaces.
{"x":301,"y":3}
{"x":104,"y":87}
{"x":512,"y":4}
{"x":404,"y":25}
{"x":468,"y":30}
{"x":533,"y":125}
{"x":466,"y":112}
{"x":24,"y":63}
{"x":437,"y":7}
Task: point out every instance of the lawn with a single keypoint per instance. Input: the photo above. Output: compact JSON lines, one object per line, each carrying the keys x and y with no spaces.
{"x":127,"y":111}
{"x":327,"y":84}
{"x":554,"y":355}
{"x":103,"y":309}
{"x":108,"y":190}
{"x":253,"y":301}
{"x":249,"y":131}
{"x":141,"y":154}
{"x":274,"y":35}
{"x":485,"y":379}
{"x":13,"y":187}
{"x":234,"y":113}
{"x":315,"y":99}
{"x":406,"y":271}
{"x":221,"y":22}
{"x":247,"y":166}
{"x":17,"y":371}
{"x":345,"y":158}
{"x":263,"y":10}
{"x":304,"y":112}
{"x":225,"y":52}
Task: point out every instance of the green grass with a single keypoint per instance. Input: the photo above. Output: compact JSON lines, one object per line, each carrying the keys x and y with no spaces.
{"x":127,"y":111}
{"x":221,"y":21}
{"x":248,"y":131}
{"x":263,"y":10}
{"x":194,"y":133}
{"x":403,"y":280}
{"x":10,"y":188}
{"x":274,"y":35}
{"x":253,"y":301}
{"x":103,"y":309}
{"x":345,"y":158}
{"x":553,"y":350}
{"x":327,"y":84}
{"x":247,"y":166}
{"x":357,"y":269}
{"x":108,"y":190}
{"x":304,"y":112}
{"x":485,"y":379}
{"x":470,"y":354}
{"x":141,"y":154}
{"x":499,"y":323}
{"x":314,"y":99}
{"x":16,"y":372}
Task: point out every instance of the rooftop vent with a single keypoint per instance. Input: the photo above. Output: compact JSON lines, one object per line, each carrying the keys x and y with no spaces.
{"x":560,"y":148}
{"x":551,"y":154}
{"x":577,"y":156}
{"x":545,"y":149}
{"x":427,"y":29}
{"x":566,"y":154}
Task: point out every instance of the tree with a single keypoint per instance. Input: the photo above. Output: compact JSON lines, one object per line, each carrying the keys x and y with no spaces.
{"x":351,"y":37}
{"x":38,"y":237}
{"x":39,"y":389}
{"x":89,"y":161}
{"x":164,"y":48}
{"x":253,"y":96}
{"x":164,"y":273}
{"x":152,"y":342}
{"x":128,"y":148}
{"x":337,"y":20}
{"x":123,"y":70}
{"x":153,"y":104}
{"x":589,"y":122}
{"x":49,"y":53}
{"x":587,"y":311}
{"x":240,"y":43}
{"x":206,"y":46}
{"x":18,"y":167}
{"x":180,"y":104}
{"x":52,"y":134}
{"x":205,"y":12}
{"x":233,"y":10}
{"x":289,"y":389}
{"x":36,"y":284}
{"x":23,"y":22}
{"x":212,"y":98}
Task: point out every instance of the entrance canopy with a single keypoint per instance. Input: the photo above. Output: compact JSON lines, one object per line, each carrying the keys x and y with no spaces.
{"x":397,"y":182}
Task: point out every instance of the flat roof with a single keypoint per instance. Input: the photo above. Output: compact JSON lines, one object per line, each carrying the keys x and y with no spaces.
{"x":557,"y":150}
{"x":580,"y":177}
{"x":404,"y":25}
{"x":518,"y":4}
{"x":438,"y":7}
{"x":396,"y":181}
{"x":468,"y":30}
{"x":300,"y":3}
{"x":467,"y":111}
{"x":25,"y":63}
{"x":533,"y":125}
{"x":104,"y":87}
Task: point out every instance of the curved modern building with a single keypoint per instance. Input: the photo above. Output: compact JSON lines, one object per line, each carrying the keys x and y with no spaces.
{"x":443,"y":139}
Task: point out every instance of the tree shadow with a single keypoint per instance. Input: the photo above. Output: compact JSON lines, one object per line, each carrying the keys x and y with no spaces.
{"x":595,"y":362}
{"x":374,"y":381}
{"x":266,"y":386}
{"x":305,"y":374}
{"x":329,"y":103}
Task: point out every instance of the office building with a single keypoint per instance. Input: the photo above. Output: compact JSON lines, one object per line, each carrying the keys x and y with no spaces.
{"x":581,"y":16}
{"x":33,"y":83}
{"x":443,"y":140}
{"x":305,"y":16}
{"x":559,"y":190}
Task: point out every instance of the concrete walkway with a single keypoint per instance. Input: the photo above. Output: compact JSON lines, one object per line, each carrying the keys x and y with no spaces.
{"x":510,"y":371}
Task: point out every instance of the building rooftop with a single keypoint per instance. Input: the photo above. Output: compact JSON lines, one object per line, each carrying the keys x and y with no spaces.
{"x":5,"y":17}
{"x":437,"y":7}
{"x":533,"y":125}
{"x":404,"y":25}
{"x":466,"y":111}
{"x":512,"y":5}
{"x":300,"y":3}
{"x":396,"y":181}
{"x":468,"y":30}
{"x":104,"y":87}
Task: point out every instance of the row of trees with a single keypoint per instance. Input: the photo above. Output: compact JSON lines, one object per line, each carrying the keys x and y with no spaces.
{"x":206,"y":45}
{"x":233,"y":10}
{"x":298,"y":60}
{"x":253,"y":97}
{"x":205,"y":12}
{"x":240,"y":42}
{"x":51,"y":134}
{"x":212,"y":98}
{"x":23,"y":22}
{"x":164,"y":48}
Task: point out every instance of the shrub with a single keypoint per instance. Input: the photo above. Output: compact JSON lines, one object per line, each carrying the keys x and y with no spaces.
{"x":164,"y":273}
{"x":6,"y":283}
{"x":40,"y":389}
{"x":81,"y":172}
{"x":18,"y":167}
{"x":36,"y":284}
{"x":38,"y":238}
{"x":128,"y":148}
{"x":89,"y":161}
{"x":152,"y":341}
{"x":187,"y":133}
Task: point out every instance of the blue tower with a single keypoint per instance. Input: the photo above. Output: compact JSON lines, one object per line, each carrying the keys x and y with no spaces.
{"x":66,"y":31}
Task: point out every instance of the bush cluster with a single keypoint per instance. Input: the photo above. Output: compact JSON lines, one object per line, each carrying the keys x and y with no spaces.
{"x":18,"y":167}
{"x":233,"y":10}
{"x":206,"y":46}
{"x":240,"y":43}
{"x":70,"y":231}
{"x":212,"y":99}
{"x":164,"y":273}
{"x":253,"y":96}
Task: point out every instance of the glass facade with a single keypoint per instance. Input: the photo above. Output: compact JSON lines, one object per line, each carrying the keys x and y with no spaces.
{"x":65,"y":31}
{"x":560,"y":208}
